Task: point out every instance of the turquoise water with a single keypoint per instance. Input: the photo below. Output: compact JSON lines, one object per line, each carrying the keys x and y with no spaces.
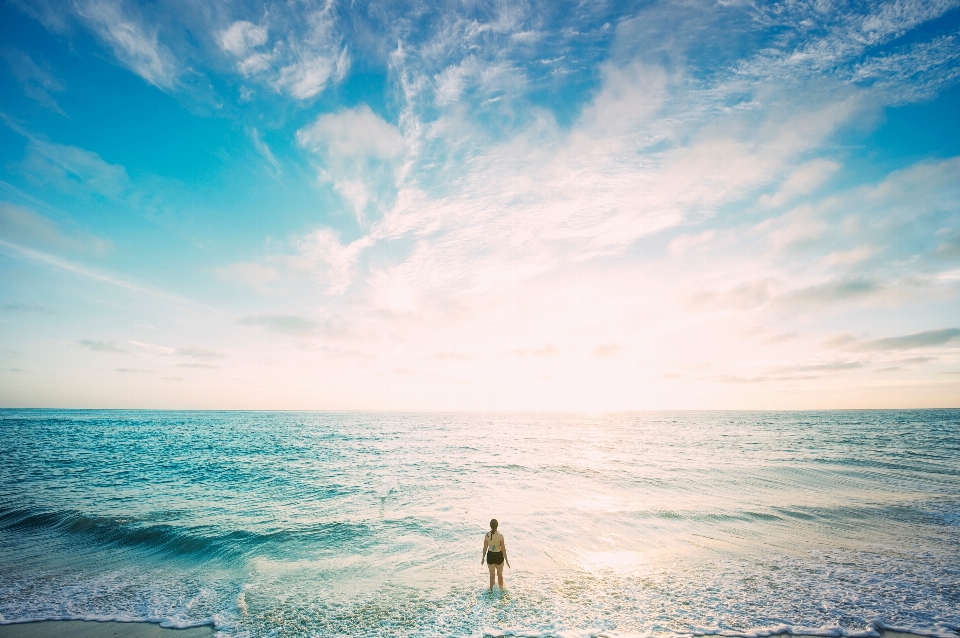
{"x":349,"y":524}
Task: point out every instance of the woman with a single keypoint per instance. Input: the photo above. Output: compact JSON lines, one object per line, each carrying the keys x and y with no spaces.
{"x":495,"y":553}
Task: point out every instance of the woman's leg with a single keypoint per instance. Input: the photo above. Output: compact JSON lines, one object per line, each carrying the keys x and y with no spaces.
{"x":499,"y":576}
{"x":492,"y":569}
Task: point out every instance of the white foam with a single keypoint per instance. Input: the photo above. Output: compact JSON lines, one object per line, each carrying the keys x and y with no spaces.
{"x":169,"y":623}
{"x":872,"y":630}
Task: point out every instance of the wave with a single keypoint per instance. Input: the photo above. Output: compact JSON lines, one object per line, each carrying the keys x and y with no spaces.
{"x":200,"y":542}
{"x":169,"y":623}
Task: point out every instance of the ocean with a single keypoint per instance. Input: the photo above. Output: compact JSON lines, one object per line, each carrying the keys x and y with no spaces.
{"x":354,"y":524}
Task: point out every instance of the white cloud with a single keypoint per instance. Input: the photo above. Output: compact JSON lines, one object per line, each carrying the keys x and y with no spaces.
{"x":264,"y":150}
{"x":804,"y":179}
{"x":359,"y":154}
{"x":320,"y":257}
{"x":304,"y":58}
{"x":134,"y":44}
{"x":350,"y":134}
{"x":241,"y":36}
{"x":332,"y":261}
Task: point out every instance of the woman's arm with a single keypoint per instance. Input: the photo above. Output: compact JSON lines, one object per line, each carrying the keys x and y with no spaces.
{"x":503,"y":548}
{"x":483,"y":556}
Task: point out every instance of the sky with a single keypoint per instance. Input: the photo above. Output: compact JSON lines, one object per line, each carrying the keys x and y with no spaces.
{"x":551,"y":205}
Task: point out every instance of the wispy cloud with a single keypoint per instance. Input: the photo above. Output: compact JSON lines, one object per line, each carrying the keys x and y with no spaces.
{"x":265,"y":151}
{"x":30,"y":306}
{"x":38,"y":81}
{"x":200,"y":353}
{"x":24,"y":226}
{"x":307,"y":55}
{"x":74,"y":170}
{"x":286,"y":324}
{"x":357,"y":152}
{"x":549,"y":350}
{"x":101,"y":346}
{"x":925,"y":339}
{"x":63,"y":264}
{"x":607,"y":350}
{"x":134,"y":43}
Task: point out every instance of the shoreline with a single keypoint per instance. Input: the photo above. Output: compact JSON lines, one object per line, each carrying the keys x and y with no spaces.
{"x":99,"y":629}
{"x":118,"y":629}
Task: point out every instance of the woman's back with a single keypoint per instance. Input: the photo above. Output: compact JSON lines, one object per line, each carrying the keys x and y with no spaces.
{"x":494,"y":541}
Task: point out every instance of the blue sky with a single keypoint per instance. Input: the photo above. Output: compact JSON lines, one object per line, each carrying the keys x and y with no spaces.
{"x":595,"y":206}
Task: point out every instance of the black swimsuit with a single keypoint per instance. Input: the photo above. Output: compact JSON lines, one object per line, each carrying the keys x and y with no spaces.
{"x":494,"y":558}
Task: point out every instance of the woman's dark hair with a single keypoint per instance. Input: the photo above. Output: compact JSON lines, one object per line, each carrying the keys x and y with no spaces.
{"x":493,"y":527}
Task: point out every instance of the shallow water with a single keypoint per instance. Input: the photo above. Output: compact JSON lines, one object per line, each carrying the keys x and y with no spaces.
{"x":349,"y":524}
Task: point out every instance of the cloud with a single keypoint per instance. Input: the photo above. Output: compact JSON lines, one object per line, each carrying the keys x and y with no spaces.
{"x":286,"y":324}
{"x":925,"y":339}
{"x":63,"y":264}
{"x":830,"y":292}
{"x":262,"y":278}
{"x":685,"y":243}
{"x":200,"y":353}
{"x":850,"y":257}
{"x":410,"y":372}
{"x":23,"y":226}
{"x":241,"y":36}
{"x":31,"y":306}
{"x":205,"y":366}
{"x":332,"y":261}
{"x":135,"y":45}
{"x":357,"y":153}
{"x":833,"y":366}
{"x":100,"y":346}
{"x":948,"y":246}
{"x":745,"y":295}
{"x":74,"y":170}
{"x":452,"y":356}
{"x":264,"y":150}
{"x":924,"y":66}
{"x":607,"y":350}
{"x":320,"y":257}
{"x":548,"y":350}
{"x":38,"y":81}
{"x":308,"y":55}
{"x":804,"y":179}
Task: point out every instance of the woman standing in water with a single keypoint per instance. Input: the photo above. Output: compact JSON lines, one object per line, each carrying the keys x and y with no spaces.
{"x":495,"y":553}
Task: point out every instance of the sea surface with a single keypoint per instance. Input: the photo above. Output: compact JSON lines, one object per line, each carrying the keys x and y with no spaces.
{"x":352,"y":524}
